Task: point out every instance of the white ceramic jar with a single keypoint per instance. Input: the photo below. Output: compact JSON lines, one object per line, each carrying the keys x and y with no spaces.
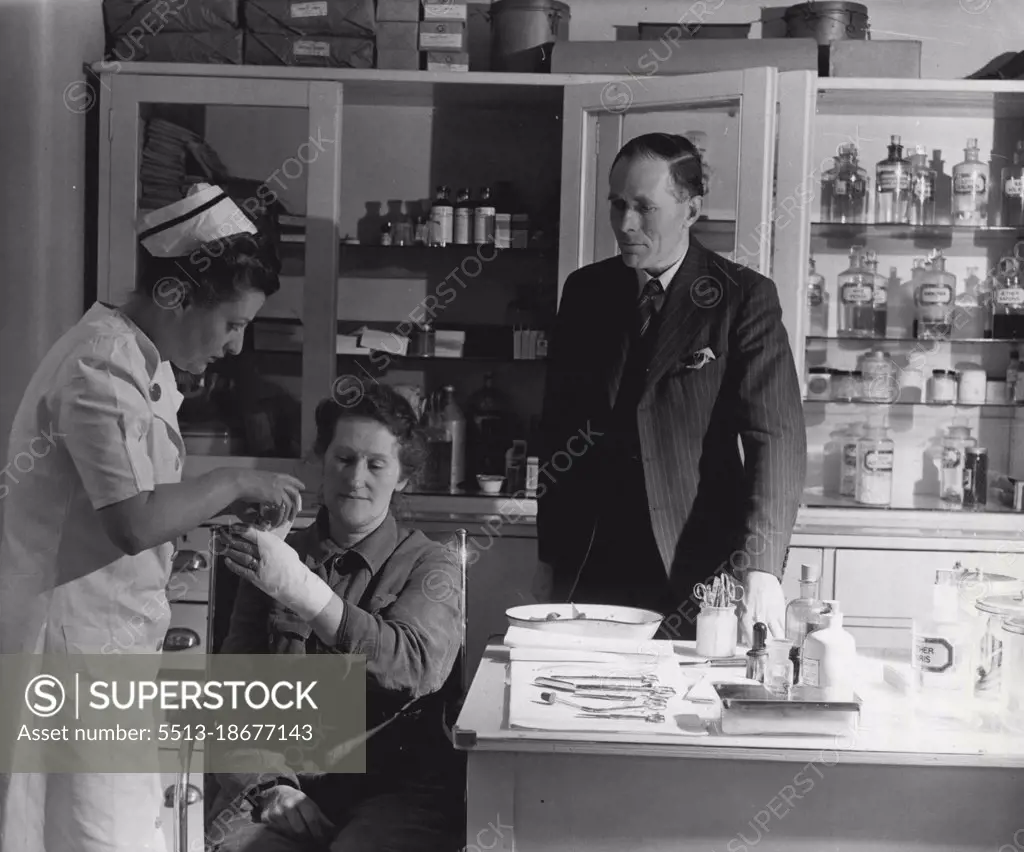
{"x":972,"y":385}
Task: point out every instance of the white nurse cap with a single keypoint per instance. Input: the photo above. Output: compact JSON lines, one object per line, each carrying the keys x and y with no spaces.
{"x":207,"y":213}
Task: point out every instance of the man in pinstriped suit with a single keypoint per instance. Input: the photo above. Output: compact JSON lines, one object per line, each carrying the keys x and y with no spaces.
{"x":668,"y":358}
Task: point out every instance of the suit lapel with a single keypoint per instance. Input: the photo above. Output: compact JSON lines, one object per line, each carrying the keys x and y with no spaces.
{"x":688,"y":306}
{"x":623,"y":307}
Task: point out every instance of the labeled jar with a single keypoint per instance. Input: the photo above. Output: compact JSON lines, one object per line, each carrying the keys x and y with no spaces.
{"x":991,"y":612}
{"x":1011,"y":687}
{"x":716,"y":631}
{"x":878,"y":382}
{"x":972,"y":385}
{"x":875,"y":460}
{"x":995,"y":392}
{"x":942,"y":386}
{"x":819,"y":383}
{"x":844,"y":386}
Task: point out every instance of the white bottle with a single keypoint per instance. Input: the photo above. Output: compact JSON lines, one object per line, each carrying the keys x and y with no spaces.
{"x":828,"y":658}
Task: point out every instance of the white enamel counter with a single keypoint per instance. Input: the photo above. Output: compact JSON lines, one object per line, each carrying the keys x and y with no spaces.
{"x":893,"y":786}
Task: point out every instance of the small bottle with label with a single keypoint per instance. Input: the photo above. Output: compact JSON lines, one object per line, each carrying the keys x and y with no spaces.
{"x":922,"y":188}
{"x":856,"y":297}
{"x":849,"y":439}
{"x":817,"y":302}
{"x":880,"y":296}
{"x":1012,"y":376}
{"x":875,"y":457}
{"x":969,"y":315}
{"x":462,"y":229}
{"x":942,"y":648}
{"x":892,"y":186}
{"x":483,"y":218}
{"x":1008,"y":302}
{"x":1012,"y":180}
{"x":421,"y":232}
{"x":442,"y":215}
{"x":955,"y":445}
{"x":385,"y":234}
{"x":934,"y":299}
{"x":970,"y":189}
{"x":778,"y":676}
{"x":847,"y":189}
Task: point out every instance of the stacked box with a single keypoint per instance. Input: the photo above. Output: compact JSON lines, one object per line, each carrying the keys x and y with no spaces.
{"x":321,"y":33}
{"x":201,"y":31}
{"x":442,"y":37}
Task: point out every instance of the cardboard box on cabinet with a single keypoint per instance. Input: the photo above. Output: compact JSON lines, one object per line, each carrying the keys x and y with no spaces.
{"x":217,"y":47}
{"x":351,"y":18}
{"x":152,"y":17}
{"x":397,"y":35}
{"x":399,"y":60}
{"x":895,"y":59}
{"x":308,"y":50}
{"x":398,"y":10}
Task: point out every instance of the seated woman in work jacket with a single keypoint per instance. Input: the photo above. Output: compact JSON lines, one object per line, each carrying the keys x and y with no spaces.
{"x":355,"y":582}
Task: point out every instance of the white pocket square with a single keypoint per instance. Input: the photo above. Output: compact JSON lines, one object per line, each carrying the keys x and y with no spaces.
{"x":700,"y":358}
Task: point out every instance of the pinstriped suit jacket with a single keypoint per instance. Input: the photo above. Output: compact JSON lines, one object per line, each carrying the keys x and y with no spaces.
{"x":711,"y":507}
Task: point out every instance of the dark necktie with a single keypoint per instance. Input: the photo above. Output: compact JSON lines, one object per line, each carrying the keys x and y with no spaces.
{"x":650,"y":298}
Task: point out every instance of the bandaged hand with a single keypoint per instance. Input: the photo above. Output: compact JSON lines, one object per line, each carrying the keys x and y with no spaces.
{"x":276,"y":569}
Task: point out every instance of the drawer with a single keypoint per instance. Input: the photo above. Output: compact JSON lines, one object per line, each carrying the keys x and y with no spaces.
{"x":194,"y":829}
{"x":890,"y":587}
{"x":188,"y":584}
{"x":188,"y":621}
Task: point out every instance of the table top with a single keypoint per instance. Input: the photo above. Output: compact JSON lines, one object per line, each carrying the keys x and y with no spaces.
{"x":891,"y":732}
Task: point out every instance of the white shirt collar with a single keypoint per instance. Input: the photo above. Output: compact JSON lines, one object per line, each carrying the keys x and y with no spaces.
{"x":643,"y":276}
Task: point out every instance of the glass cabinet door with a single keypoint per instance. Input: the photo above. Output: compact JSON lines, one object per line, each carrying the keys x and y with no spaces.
{"x":910,"y":315}
{"x":729,"y":115}
{"x":169,"y":132}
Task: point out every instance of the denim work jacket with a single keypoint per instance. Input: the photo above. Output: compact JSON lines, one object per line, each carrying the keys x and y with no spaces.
{"x":402,"y":611}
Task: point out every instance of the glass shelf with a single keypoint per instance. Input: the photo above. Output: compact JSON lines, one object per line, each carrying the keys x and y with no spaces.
{"x":869,"y":404}
{"x":814,"y":498}
{"x":906,"y":341}
{"x":898,"y":239}
{"x":376,"y":261}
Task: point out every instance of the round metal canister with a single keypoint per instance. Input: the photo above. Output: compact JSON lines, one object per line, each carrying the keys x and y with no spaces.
{"x":829,"y":21}
{"x":523,"y":33}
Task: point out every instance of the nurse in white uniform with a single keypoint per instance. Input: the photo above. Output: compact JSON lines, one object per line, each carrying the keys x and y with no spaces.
{"x":93,"y":497}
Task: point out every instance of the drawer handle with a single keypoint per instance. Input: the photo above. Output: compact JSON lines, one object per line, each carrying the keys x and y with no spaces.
{"x":192,"y":795}
{"x":188,"y":561}
{"x":180,"y":639}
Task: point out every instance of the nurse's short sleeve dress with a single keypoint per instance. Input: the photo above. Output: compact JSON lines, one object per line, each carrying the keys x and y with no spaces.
{"x":97,"y":425}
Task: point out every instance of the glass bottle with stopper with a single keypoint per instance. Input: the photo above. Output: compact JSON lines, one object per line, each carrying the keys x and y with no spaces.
{"x":970,"y":189}
{"x":856,"y":297}
{"x":817,"y":302}
{"x":892,"y":186}
{"x":934,"y":299}
{"x":757,"y":656}
{"x":802,"y":613}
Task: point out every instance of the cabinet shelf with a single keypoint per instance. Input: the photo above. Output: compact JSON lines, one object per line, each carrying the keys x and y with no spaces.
{"x":376,"y":261}
{"x":823,"y":403}
{"x":899,"y":342}
{"x":899,"y":239}
{"x":814,"y":498}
